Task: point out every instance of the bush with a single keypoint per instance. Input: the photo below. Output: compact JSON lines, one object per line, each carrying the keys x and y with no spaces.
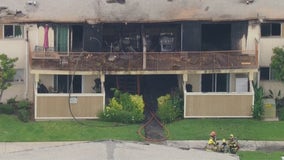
{"x":257,"y":109}
{"x":124,"y":108}
{"x":170,"y":108}
{"x":24,"y":115}
{"x":6,"y":109}
{"x":23,"y":110}
{"x":281,"y":114}
{"x":23,"y":104}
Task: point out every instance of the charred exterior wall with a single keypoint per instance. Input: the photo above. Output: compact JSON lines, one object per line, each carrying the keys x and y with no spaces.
{"x":92,"y":38}
{"x":194,"y":38}
{"x":239,"y":30}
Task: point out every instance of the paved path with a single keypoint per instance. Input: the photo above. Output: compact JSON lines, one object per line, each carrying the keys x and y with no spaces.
{"x":123,"y":150}
{"x":103,"y":150}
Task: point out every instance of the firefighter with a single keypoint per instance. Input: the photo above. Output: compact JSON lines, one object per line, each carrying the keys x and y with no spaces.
{"x":233,"y":144}
{"x":212,"y":144}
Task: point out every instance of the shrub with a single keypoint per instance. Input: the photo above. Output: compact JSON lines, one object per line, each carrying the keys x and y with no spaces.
{"x":124,"y":108}
{"x":281,"y":114}
{"x":24,"y":115}
{"x":23,"y":104}
{"x":257,"y":109}
{"x":23,"y":110}
{"x":170,"y":108}
{"x":6,"y":109}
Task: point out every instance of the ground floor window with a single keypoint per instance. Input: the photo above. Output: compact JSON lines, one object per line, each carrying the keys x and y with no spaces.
{"x":66,"y":83}
{"x":215,"y":82}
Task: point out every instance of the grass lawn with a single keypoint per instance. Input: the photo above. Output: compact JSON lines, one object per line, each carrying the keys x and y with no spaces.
{"x":244,"y":129}
{"x":13,"y":130}
{"x":260,"y":155}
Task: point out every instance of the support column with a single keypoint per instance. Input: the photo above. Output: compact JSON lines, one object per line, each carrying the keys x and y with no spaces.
{"x":144,"y":43}
{"x":184,"y":78}
{"x":35,"y":95}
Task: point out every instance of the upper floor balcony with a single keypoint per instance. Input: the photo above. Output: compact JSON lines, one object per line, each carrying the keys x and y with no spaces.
{"x":139,"y":61}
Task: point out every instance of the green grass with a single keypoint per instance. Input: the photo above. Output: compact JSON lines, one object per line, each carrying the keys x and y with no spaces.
{"x":249,"y":155}
{"x":11,"y":129}
{"x":244,"y":129}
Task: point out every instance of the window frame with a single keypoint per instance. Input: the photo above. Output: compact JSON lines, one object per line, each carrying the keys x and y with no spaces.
{"x":269,"y":29}
{"x":215,"y":83}
{"x":15,"y":28}
{"x":19,"y":76}
{"x":66,"y":79}
{"x":267,"y":76}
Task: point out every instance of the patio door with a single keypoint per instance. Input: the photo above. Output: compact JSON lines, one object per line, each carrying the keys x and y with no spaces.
{"x":62,"y":83}
{"x":61,"y":40}
{"x":215,"y":82}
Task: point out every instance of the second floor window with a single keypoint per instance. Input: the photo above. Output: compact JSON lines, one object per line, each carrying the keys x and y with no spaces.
{"x":270,"y":29}
{"x":13,"y":31}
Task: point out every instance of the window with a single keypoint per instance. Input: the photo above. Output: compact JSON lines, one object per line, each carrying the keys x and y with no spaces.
{"x":19,"y":76}
{"x":270,"y":29}
{"x":215,"y":82}
{"x":13,"y":31}
{"x":62,"y":83}
{"x":266,"y":73}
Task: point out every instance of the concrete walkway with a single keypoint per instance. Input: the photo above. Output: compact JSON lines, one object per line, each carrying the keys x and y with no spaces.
{"x":122,"y":150}
{"x":104,"y":150}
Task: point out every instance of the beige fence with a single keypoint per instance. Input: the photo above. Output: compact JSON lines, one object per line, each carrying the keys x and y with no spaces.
{"x":61,"y":106}
{"x":198,"y":105}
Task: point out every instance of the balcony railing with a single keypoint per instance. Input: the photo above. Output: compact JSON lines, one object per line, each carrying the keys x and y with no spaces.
{"x":153,"y":61}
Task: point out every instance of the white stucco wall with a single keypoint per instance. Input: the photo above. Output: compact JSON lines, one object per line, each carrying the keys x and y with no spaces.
{"x":266,"y":45}
{"x":15,"y":48}
{"x":274,"y":86}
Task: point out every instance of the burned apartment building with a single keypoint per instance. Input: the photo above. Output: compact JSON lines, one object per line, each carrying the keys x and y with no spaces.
{"x":209,"y":52}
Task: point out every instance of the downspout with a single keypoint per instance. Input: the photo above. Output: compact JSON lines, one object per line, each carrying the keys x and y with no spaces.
{"x":27,"y":64}
{"x":144,"y":46}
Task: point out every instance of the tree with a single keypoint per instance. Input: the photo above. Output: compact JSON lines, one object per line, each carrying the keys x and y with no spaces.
{"x":277,"y":63}
{"x":7,"y":72}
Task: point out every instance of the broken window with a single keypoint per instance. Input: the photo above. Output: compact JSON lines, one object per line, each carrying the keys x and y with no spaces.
{"x":76,"y":38}
{"x":270,"y":29}
{"x":216,"y":37}
{"x":128,"y":37}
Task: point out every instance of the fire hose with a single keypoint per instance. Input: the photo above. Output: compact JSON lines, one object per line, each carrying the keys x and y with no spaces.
{"x":151,"y":120}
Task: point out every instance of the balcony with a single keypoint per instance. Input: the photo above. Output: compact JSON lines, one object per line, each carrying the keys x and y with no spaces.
{"x":138,"y":61}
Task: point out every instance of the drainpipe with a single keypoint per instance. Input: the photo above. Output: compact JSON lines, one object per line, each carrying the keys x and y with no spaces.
{"x":144,"y":46}
{"x":27,"y":63}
